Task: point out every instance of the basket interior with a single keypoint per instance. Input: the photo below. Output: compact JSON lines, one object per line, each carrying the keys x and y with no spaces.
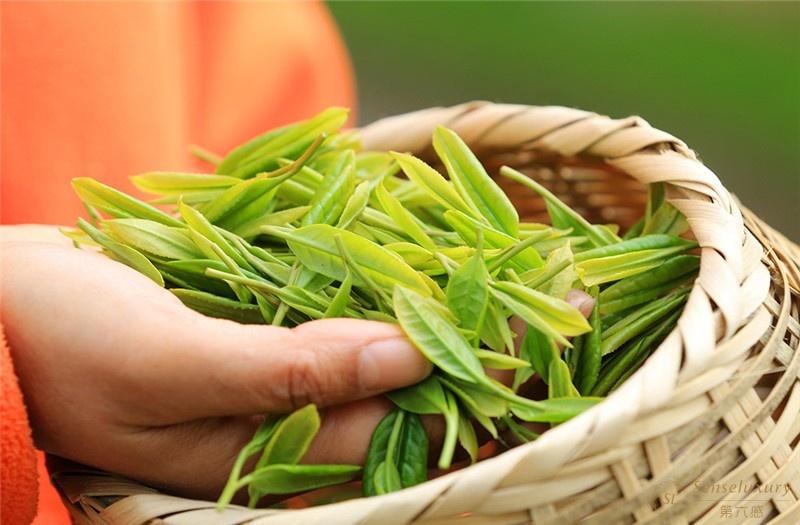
{"x":596,"y":190}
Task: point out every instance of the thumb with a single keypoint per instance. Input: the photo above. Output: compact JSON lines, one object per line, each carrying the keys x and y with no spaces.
{"x":228,"y":369}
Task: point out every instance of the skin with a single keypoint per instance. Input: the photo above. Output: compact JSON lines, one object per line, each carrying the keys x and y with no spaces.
{"x":115,"y":371}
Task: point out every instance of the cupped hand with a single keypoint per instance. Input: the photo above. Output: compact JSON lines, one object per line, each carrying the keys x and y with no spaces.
{"x":116,"y":373}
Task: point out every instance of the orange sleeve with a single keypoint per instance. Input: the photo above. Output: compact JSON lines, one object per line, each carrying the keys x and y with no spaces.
{"x":18,"y":475}
{"x":111,"y":89}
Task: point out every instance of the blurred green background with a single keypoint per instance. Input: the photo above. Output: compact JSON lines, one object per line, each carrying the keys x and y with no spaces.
{"x":724,"y":77}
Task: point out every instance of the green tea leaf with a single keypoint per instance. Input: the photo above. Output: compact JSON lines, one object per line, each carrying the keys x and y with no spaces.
{"x":376,"y":165}
{"x":467,"y":228}
{"x":639,"y":321}
{"x":199,"y":198}
{"x":293,"y":193}
{"x":262,"y":153}
{"x":154,"y":238}
{"x":640,"y":244}
{"x":503,"y":256}
{"x":205,"y":155}
{"x":289,"y":479}
{"x":656,"y":194}
{"x":495,"y":332}
{"x":173,"y":183}
{"x":467,"y":438}
{"x":499,"y":361}
{"x":264,"y":262}
{"x":640,"y":298}
{"x":259,"y":440}
{"x":559,"y":381}
{"x":668,"y":220}
{"x":468,"y":293}
{"x":555,"y":410}
{"x":560,"y":273}
{"x":387,"y":478}
{"x":451,"y":419}
{"x":628,"y":258}
{"x":315,"y":246}
{"x":380,"y":297}
{"x":291,"y":438}
{"x":427,"y":397}
{"x":247,"y":200}
{"x":475,"y":397}
{"x":252,"y":228}
{"x":190,"y":274}
{"x":675,"y":269}
{"x":355,"y":205}
{"x":342,"y":297}
{"x":199,"y":224}
{"x":554,"y":317}
{"x":220,"y":307}
{"x":376,"y":453}
{"x":332,"y":194}
{"x":213,"y":250}
{"x":118,"y":204}
{"x":479,"y":404}
{"x":412,"y":452}
{"x":403,"y":218}
{"x":435,"y":336}
{"x":539,"y":350}
{"x":312,"y":304}
{"x":474,"y":185}
{"x":588,"y":365}
{"x":415,"y":255}
{"x":265,"y":308}
{"x":286,"y":446}
{"x":626,"y":361}
{"x":521,"y":433}
{"x":227,"y":206}
{"x":397,"y":455}
{"x":430,"y":180}
{"x":122,"y":253}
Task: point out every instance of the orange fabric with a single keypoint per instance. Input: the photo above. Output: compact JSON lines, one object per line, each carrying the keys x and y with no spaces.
{"x":17,"y":458}
{"x":109,"y":89}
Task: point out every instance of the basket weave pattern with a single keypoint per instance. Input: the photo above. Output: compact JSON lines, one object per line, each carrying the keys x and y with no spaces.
{"x":717,"y":403}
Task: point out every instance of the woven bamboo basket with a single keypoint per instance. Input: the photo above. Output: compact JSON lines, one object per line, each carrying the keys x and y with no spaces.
{"x":706,"y":431}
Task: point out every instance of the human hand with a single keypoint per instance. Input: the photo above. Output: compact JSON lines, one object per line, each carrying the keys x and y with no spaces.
{"x":116,"y":373}
{"x":123,"y":376}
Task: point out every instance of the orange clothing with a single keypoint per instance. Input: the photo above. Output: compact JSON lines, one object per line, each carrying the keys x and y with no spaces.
{"x":17,"y":457}
{"x":110,"y":89}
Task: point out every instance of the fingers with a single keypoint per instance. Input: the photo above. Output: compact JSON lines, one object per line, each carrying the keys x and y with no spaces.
{"x":582,"y":301}
{"x":257,"y":369}
{"x":217,"y":368}
{"x":202,"y":452}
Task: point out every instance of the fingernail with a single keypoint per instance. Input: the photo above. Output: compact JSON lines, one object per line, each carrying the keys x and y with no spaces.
{"x":391,"y":363}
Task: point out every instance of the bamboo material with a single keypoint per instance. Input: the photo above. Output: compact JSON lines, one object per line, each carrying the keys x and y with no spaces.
{"x":715,"y":407}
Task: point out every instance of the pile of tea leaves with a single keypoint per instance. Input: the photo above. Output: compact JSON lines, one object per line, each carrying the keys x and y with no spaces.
{"x":300,"y":224}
